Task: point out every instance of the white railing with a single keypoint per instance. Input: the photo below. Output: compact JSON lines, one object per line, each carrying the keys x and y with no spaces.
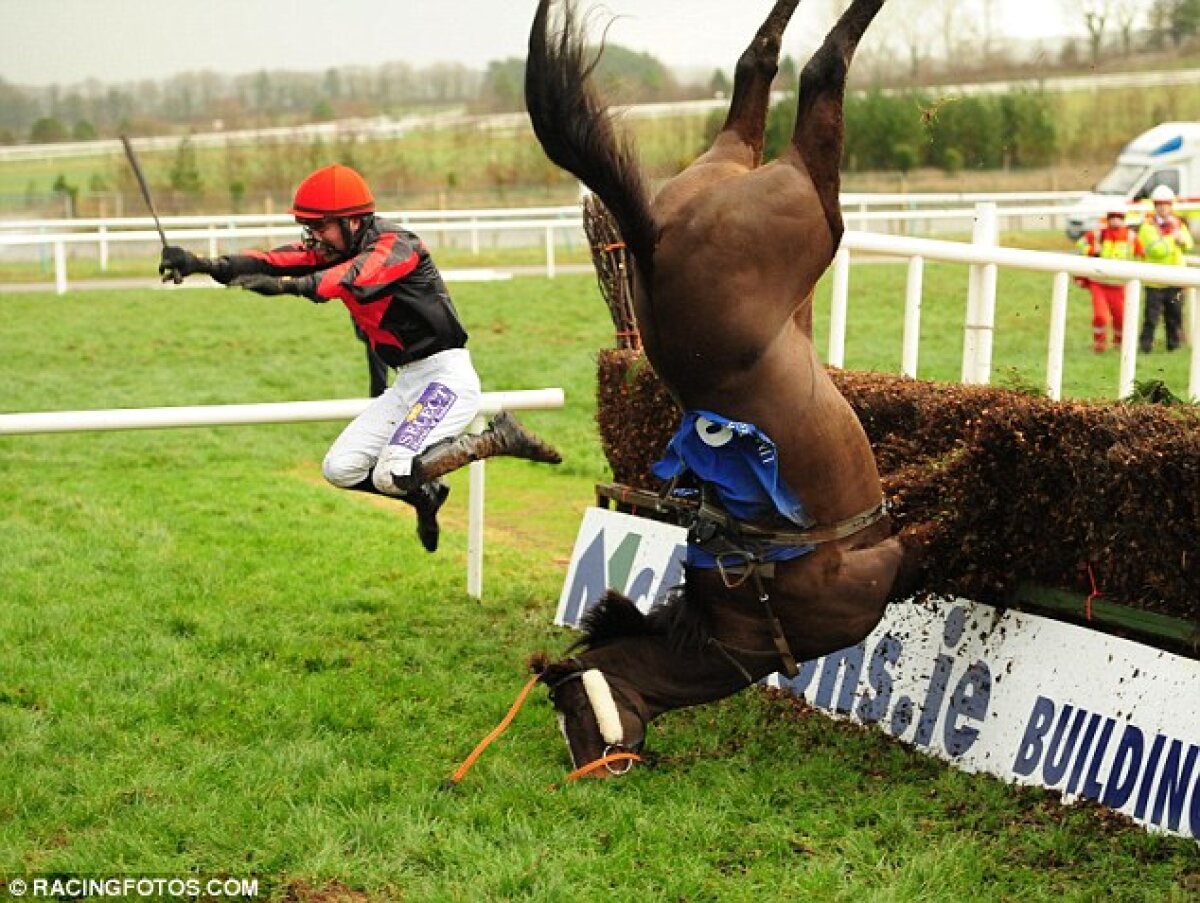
{"x":878,"y":205}
{"x":283,"y":220}
{"x":220,"y":238}
{"x":288,"y":412}
{"x":896,"y":213}
{"x":983,"y":256}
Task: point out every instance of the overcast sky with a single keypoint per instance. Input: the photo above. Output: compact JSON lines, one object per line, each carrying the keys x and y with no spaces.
{"x":66,"y":41}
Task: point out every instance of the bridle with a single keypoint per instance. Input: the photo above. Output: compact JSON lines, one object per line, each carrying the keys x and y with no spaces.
{"x":613,"y":752}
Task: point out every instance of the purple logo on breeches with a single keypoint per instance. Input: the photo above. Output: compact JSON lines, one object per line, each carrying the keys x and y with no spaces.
{"x":422,"y":417}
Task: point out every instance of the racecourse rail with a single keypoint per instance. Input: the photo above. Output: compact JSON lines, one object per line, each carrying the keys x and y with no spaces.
{"x":899,"y":213}
{"x":983,"y":257}
{"x":891,"y":213}
{"x":289,"y":412}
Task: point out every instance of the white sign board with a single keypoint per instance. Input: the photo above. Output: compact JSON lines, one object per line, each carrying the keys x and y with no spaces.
{"x":1028,"y":699}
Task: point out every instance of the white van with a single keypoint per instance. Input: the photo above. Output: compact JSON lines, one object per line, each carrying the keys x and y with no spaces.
{"x":1168,"y":154}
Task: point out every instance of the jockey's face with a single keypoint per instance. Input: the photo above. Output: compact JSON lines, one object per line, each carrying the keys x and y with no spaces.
{"x":1162,"y":208}
{"x":327,"y":236}
{"x":1116,"y":221}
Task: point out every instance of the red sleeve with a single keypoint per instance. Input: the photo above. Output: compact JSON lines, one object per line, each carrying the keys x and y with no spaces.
{"x":290,"y":257}
{"x":289,"y":260}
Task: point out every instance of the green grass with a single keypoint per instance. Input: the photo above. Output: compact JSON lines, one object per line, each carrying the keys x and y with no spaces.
{"x":214,"y":664}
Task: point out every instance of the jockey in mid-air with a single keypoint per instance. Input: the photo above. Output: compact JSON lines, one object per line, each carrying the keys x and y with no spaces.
{"x":413,"y":433}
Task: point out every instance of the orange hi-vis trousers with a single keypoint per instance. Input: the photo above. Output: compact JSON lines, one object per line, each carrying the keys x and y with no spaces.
{"x":1108,"y":306}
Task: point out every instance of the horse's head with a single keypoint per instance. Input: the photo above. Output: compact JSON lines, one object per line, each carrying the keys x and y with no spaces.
{"x":600,"y":726}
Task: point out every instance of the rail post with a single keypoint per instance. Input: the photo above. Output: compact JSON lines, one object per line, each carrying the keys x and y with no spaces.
{"x":550,"y":252}
{"x":289,"y":412}
{"x":981,"y":301}
{"x":912,"y":316}
{"x":1058,"y":335}
{"x":1129,"y":337}
{"x":1192,"y":298}
{"x":476,"y":486}
{"x":60,"y":267}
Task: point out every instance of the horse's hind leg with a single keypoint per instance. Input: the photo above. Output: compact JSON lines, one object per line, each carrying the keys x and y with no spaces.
{"x":818,"y":135}
{"x":752,"y":79}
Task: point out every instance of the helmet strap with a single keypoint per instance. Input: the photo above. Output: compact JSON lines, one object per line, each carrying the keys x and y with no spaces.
{"x":348,"y":236}
{"x":352,"y":240}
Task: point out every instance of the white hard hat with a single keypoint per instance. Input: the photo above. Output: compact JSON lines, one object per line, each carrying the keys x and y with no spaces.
{"x":1162,"y":193}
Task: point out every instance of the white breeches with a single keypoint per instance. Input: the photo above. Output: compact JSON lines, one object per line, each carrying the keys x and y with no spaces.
{"x":431,"y":400}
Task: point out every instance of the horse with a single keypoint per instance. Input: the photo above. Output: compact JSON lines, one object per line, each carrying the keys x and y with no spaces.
{"x":726,"y":257}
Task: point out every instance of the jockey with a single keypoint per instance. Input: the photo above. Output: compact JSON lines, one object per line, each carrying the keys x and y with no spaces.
{"x":414,"y":432}
{"x":1114,"y":240}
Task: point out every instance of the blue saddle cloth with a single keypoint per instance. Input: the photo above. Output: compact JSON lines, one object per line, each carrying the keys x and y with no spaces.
{"x":741,"y":464}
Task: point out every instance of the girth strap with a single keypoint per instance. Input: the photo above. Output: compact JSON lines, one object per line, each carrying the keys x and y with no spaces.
{"x":753,"y":569}
{"x":711,"y":518}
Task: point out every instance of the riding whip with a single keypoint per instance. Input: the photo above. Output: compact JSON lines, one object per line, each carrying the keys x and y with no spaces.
{"x":141,"y":180}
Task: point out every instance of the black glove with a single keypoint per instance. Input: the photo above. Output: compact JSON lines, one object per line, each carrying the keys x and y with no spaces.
{"x":178,"y":262}
{"x":266,"y":285}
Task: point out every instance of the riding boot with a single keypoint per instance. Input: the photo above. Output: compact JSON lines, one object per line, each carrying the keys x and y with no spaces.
{"x":427,"y":499}
{"x":504,"y":436}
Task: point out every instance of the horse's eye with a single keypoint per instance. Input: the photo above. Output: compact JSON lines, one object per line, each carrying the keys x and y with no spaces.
{"x":712,"y":433}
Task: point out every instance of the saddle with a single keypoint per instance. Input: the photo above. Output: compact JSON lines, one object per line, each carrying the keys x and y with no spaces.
{"x":741,"y":550}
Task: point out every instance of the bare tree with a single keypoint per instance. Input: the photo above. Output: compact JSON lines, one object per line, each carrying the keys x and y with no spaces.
{"x":957,"y":23}
{"x":1126,"y":13}
{"x":1096,"y":16}
{"x":908,"y":22}
{"x":987,"y":21}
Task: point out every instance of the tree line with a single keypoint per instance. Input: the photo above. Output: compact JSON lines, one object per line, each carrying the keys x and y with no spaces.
{"x":206,"y":100}
{"x":923,"y":40}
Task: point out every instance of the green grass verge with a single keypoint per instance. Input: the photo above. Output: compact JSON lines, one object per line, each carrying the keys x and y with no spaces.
{"x":215,"y":664}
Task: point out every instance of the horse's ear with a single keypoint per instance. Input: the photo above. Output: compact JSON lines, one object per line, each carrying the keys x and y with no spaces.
{"x":553,"y":673}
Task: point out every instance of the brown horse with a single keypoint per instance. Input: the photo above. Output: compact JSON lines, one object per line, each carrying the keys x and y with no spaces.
{"x":726,"y":258}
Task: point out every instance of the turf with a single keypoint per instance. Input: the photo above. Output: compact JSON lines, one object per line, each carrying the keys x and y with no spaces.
{"x":214,"y":664}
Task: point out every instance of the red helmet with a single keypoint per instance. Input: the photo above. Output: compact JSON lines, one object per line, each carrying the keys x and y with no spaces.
{"x":332,"y":192}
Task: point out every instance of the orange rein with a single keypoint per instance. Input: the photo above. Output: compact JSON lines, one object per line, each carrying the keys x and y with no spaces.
{"x":603,"y":762}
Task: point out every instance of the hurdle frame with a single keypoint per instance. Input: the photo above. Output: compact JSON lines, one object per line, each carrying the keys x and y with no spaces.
{"x":290,"y":412}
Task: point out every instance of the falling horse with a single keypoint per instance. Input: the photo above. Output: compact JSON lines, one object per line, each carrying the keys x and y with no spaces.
{"x":796,"y":558}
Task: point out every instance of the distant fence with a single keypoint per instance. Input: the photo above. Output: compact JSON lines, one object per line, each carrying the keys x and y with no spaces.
{"x":287,"y":412}
{"x":52,"y":240}
{"x":547,"y":226}
{"x":890,"y":212}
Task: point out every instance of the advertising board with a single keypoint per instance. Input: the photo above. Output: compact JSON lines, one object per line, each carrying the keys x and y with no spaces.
{"x":1028,"y":699}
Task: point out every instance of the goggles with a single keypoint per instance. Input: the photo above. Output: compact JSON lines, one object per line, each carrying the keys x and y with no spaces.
{"x":308,"y":230}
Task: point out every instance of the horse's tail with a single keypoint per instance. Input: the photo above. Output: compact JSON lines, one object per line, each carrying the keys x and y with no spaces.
{"x":576,"y":132}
